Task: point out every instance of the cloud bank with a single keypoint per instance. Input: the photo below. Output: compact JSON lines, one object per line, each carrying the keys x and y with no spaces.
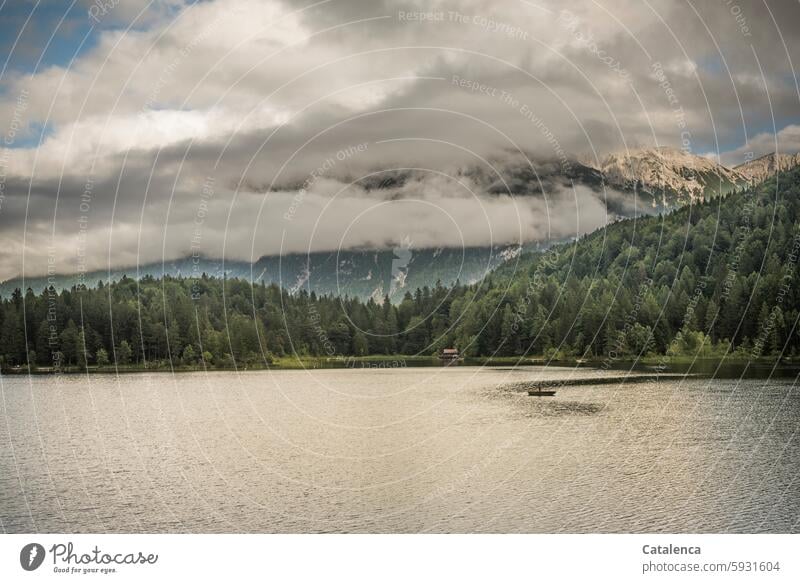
{"x":244,"y":127}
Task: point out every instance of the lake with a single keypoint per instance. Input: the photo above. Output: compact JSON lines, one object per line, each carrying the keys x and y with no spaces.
{"x":396,"y":450}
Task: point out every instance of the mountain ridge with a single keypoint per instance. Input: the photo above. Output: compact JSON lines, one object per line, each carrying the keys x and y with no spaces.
{"x":677,"y":176}
{"x":657,"y":179}
{"x":768,"y":165}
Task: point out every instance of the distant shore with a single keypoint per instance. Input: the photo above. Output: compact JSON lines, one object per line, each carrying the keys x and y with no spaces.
{"x":650,"y":363}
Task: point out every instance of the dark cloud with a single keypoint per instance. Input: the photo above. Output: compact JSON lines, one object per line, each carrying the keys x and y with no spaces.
{"x":476,"y":110}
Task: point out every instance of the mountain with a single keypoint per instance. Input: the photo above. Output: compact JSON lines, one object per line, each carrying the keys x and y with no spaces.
{"x":717,"y":279}
{"x":674,"y":177}
{"x":644,"y":181}
{"x":765,"y":167}
{"x":544,"y":177}
{"x":375,"y":273}
{"x":355,"y":273}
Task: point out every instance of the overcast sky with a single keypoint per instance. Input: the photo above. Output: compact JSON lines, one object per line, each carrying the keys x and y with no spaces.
{"x":136,"y":131}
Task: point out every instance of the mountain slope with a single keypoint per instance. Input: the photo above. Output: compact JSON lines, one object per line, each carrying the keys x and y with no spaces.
{"x":765,"y":167}
{"x":721,"y":276}
{"x":356,"y":273}
{"x":716,"y":279}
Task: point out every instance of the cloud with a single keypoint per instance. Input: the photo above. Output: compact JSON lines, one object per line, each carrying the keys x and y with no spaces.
{"x":430,"y":209}
{"x":258,"y":95}
{"x":786,"y":141}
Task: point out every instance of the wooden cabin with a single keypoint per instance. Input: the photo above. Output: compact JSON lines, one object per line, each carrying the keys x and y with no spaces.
{"x":449,"y":354}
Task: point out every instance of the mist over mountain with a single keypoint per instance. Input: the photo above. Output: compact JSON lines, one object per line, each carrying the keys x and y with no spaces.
{"x":363,"y":274}
{"x":640,"y":287}
{"x":574,"y":199}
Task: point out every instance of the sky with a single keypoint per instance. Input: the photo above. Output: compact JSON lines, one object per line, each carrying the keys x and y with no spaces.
{"x":137,"y":131}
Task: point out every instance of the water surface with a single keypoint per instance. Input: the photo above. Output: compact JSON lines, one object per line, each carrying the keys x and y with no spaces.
{"x":396,"y":450}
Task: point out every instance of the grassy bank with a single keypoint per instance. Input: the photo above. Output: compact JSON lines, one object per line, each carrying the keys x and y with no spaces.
{"x":673,"y":363}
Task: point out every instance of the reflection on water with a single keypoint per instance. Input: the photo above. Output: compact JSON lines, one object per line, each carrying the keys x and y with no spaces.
{"x":556,"y":408}
{"x":721,"y":369}
{"x":409,"y":450}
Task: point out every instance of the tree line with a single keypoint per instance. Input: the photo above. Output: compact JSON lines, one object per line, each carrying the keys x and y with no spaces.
{"x":717,"y":277}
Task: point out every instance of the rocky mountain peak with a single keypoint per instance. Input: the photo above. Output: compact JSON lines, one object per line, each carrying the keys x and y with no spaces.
{"x":677,"y":176}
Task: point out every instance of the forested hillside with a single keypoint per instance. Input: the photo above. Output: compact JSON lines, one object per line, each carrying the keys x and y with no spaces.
{"x":714,"y":277}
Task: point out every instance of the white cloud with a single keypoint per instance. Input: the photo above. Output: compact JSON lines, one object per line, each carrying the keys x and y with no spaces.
{"x":786,"y":141}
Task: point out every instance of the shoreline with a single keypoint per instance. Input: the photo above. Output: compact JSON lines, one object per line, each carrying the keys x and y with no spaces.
{"x":683,"y":364}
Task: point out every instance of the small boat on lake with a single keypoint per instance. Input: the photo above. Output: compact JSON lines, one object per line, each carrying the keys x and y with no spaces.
{"x":540,"y":393}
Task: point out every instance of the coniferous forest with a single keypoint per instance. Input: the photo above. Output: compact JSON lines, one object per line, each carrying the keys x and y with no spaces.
{"x":712,"y":279}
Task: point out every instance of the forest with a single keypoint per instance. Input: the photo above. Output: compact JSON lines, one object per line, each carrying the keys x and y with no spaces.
{"x":715,"y":278}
